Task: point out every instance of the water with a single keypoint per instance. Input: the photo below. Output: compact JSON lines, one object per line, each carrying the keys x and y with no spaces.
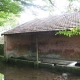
{"x":13,"y":72}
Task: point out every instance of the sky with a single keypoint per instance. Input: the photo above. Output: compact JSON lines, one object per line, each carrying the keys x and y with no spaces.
{"x":59,"y":8}
{"x":27,"y":16}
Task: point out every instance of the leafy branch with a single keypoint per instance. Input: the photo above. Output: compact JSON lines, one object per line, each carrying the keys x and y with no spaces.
{"x":71,"y":32}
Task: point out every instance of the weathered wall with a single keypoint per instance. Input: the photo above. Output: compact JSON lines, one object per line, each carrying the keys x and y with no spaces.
{"x":17,"y":45}
{"x":67,"y":47}
{"x":49,"y":46}
{"x":2,"y":49}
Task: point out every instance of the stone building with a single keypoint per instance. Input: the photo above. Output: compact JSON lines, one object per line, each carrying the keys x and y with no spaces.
{"x":37,"y":40}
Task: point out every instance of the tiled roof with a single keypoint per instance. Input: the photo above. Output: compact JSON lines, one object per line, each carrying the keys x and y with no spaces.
{"x":52,"y":23}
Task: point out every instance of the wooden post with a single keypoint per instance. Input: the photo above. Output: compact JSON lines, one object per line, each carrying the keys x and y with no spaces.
{"x":4,"y":49}
{"x":37,"y":51}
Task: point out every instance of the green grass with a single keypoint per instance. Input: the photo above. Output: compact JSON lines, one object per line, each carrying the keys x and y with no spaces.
{"x":1,"y":76}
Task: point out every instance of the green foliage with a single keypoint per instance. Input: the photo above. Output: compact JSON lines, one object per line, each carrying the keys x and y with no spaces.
{"x":70,"y":32}
{"x":14,"y":7}
{"x":8,"y":8}
{"x":11,"y":8}
{"x":1,"y":76}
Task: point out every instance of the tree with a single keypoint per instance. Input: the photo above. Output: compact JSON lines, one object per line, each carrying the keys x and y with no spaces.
{"x":72,"y":6}
{"x":12,"y":8}
{"x":8,"y":8}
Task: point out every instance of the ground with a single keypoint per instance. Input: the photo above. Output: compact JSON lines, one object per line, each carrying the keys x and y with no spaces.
{"x":13,"y":72}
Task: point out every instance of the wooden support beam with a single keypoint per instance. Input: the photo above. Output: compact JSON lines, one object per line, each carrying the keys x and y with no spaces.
{"x":37,"y":50}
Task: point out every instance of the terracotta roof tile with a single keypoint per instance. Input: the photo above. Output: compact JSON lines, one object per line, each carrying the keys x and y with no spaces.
{"x":51,"y":23}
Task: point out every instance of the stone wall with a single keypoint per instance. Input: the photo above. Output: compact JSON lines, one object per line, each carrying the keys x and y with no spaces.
{"x":49,"y":46}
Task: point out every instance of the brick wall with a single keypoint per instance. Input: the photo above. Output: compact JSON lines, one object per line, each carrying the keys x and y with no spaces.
{"x":49,"y":46}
